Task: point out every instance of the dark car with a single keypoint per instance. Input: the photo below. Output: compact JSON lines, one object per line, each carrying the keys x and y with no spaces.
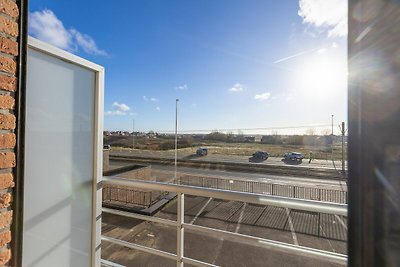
{"x":202,"y":151}
{"x":107,"y":147}
{"x":261,"y":155}
{"x":293,"y":156}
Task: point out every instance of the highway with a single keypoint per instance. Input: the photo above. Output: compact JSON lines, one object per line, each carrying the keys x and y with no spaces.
{"x":169,"y":154}
{"x":259,"y":177}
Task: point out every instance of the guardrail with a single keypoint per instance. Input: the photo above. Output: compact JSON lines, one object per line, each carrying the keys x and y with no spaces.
{"x":181,"y":190}
{"x":266,"y":188}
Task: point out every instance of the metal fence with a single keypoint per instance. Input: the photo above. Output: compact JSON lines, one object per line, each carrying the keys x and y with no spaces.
{"x":130,"y":196}
{"x":266,"y":188}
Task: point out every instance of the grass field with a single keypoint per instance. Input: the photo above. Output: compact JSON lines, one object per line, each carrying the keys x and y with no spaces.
{"x":247,"y":149}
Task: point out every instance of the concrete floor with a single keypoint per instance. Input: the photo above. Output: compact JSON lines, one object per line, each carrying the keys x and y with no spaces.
{"x":321,"y":231}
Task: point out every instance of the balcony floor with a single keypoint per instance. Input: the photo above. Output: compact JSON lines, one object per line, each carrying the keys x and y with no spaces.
{"x":294,"y":227}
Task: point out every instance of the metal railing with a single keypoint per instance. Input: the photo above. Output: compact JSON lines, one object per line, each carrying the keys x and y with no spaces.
{"x":181,"y":190}
{"x":129,"y":196}
{"x":267,"y":188}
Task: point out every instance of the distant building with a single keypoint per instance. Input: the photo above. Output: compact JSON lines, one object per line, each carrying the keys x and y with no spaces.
{"x":249,"y":138}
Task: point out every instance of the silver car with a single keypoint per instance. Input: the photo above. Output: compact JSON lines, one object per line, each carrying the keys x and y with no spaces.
{"x":294,"y":156}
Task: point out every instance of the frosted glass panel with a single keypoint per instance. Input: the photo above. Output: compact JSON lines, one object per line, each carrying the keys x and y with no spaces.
{"x":58,"y":162}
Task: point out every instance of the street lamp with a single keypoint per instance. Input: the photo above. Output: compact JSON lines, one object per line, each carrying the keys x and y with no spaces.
{"x":176,"y":136}
{"x":133,"y":134}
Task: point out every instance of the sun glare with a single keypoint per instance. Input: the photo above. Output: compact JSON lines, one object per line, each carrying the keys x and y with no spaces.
{"x":321,"y":76}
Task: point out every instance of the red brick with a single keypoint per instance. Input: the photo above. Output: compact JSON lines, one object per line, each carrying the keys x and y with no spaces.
{"x":6,"y":180}
{"x":5,"y":200}
{"x":8,"y":26}
{"x":9,"y":7}
{"x":8,"y":83}
{"x":7,"y":102}
{"x":5,"y":256}
{"x":5,"y":238}
{"x":7,"y":160}
{"x":7,"y":64}
{"x":8,"y":46}
{"x":7,"y":140}
{"x":5,"y":218}
{"x":7,"y":121}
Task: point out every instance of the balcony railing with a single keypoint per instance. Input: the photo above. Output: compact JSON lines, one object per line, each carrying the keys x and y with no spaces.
{"x":115,"y":196}
{"x":181,"y":190}
{"x":265,"y":188}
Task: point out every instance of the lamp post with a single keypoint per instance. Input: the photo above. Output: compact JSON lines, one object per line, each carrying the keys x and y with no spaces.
{"x":343,"y":130}
{"x":133,"y":134}
{"x":333,"y":160}
{"x":181,"y":199}
{"x":176,"y":137}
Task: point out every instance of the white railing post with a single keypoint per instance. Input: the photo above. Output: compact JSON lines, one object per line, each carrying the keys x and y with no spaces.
{"x":180,"y":219}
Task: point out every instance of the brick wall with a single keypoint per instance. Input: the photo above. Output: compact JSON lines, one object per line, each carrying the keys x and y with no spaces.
{"x":9,"y":13}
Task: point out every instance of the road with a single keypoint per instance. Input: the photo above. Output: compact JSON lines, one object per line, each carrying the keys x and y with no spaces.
{"x":317,"y":163}
{"x":259,"y":177}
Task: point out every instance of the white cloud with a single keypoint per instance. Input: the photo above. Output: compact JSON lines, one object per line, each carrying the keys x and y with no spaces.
{"x":158,"y":108}
{"x":181,"y":87}
{"x":237,"y":87}
{"x":122,"y":107}
{"x":45,"y":26}
{"x":87,"y":43}
{"x":263,"y":96}
{"x":114,"y":112}
{"x":152,"y":99}
{"x":119,"y":109}
{"x":326,"y":15}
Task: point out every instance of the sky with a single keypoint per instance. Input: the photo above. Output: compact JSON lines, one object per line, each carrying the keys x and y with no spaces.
{"x":242,"y":66}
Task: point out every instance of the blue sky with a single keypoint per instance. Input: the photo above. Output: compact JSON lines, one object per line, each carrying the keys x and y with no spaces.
{"x":233,"y":64}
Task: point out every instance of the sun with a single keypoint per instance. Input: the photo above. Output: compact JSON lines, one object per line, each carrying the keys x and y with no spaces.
{"x":321,"y":76}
